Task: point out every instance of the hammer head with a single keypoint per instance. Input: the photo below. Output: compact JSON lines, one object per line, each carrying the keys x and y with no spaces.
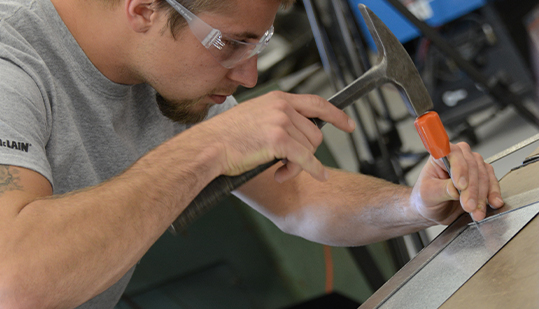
{"x":396,"y":66}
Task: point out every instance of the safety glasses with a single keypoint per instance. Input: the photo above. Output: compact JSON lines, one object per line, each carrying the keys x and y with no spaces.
{"x":227,"y":51}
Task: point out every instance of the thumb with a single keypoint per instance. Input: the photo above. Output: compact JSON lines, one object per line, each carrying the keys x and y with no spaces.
{"x":440,"y":191}
{"x":451,"y":192}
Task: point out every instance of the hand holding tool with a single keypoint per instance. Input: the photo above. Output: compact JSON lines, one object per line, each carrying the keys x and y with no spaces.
{"x":435,"y":139}
{"x":394,"y":66}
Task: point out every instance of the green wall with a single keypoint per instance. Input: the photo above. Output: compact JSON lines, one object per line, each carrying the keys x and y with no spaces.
{"x":233,"y":257}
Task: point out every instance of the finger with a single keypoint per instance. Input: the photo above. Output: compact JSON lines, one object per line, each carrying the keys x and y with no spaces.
{"x":469,"y":195}
{"x":495,"y":196}
{"x":282,"y":117}
{"x":451,"y":192}
{"x":459,"y":166}
{"x":483,"y":188}
{"x":303,"y":129}
{"x":294,"y":152}
{"x":287,"y":171}
{"x":438,"y":189}
{"x":441,"y":187}
{"x":313,"y":106}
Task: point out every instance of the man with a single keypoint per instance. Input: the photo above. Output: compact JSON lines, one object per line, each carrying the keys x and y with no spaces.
{"x":92,"y":173}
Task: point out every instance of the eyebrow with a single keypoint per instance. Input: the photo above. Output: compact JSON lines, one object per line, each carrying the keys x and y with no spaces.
{"x":244,"y":35}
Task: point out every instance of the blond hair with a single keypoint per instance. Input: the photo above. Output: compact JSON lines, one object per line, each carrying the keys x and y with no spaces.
{"x":176,"y":21}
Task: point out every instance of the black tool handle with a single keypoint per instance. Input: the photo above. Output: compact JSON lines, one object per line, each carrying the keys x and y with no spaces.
{"x":218,"y":189}
{"x":224,"y":185}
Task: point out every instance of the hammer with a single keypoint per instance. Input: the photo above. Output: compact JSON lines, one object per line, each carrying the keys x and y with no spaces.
{"x":393,"y":66}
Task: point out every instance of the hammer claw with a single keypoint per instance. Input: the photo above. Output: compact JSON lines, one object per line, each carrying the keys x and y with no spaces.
{"x":398,"y":67}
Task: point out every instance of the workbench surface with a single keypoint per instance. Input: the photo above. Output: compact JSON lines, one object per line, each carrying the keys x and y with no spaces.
{"x":511,"y":278}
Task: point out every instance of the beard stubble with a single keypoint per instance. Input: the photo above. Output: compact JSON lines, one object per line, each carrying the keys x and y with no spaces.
{"x":182,"y":111}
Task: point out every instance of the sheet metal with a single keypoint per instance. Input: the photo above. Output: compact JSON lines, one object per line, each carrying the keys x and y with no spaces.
{"x":450,"y":260}
{"x":446,"y":272}
{"x":513,"y":149}
{"x":509,"y":280}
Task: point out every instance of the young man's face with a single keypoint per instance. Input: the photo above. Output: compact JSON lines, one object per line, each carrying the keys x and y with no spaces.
{"x":187,"y":77}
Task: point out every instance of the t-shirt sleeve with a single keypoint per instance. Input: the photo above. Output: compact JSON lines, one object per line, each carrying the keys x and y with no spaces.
{"x":24,"y":116}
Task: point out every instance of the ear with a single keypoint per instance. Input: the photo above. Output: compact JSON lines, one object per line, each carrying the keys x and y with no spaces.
{"x":140,"y":14}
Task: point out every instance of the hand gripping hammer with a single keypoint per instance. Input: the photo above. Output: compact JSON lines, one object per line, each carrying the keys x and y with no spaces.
{"x":393,"y":66}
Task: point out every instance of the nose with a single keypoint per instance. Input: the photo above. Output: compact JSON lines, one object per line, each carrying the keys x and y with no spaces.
{"x":245,"y":73}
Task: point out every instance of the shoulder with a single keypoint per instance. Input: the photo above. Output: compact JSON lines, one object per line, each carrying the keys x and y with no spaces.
{"x":17,"y":84}
{"x":23,"y":32}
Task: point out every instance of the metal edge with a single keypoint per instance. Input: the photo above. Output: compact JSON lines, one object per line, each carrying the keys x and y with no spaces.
{"x":512,"y":149}
{"x":439,"y":243}
{"x":417,"y":263}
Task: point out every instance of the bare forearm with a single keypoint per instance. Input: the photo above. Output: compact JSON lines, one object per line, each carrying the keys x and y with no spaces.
{"x":347,"y":210}
{"x":363,"y":209}
{"x":79,"y":244}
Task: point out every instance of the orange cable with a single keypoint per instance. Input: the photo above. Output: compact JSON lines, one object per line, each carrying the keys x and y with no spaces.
{"x":329,"y":269}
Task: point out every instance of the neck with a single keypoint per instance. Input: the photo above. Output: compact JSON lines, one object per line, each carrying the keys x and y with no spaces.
{"x":103,"y":34}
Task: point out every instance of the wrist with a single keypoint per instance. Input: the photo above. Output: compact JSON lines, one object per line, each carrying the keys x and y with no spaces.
{"x":208,"y":148}
{"x":199,"y":151}
{"x":417,"y":212}
{"x":178,"y":169}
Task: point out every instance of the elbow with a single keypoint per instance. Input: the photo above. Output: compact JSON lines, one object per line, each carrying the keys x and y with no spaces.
{"x":290,"y":224}
{"x":327,"y":229}
{"x":304,"y":227}
{"x":15,"y":292}
{"x":10,"y":295}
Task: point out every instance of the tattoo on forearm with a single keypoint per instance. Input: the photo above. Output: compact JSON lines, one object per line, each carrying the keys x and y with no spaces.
{"x":9,"y":181}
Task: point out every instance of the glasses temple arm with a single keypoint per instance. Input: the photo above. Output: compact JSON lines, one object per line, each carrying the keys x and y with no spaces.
{"x":206,"y":34}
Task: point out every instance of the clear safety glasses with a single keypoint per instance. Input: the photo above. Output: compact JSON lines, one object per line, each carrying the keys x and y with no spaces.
{"x":227,"y":51}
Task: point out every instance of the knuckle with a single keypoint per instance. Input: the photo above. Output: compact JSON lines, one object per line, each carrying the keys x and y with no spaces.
{"x":464,"y":146}
{"x":276,"y":94}
{"x":277,"y":136}
{"x":281,"y":120}
{"x":280,"y":104}
{"x":472,"y":163}
{"x":315,"y":101}
{"x":483,"y":174}
{"x":319,"y":102}
{"x":478,"y":157}
{"x":480,"y":164}
{"x":318,"y":138}
{"x":489,"y":168}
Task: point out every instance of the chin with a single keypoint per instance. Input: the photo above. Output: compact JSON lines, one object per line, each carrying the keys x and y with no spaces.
{"x":184,"y":111}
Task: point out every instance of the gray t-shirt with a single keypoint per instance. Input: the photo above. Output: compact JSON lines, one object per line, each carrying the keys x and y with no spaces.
{"x":61,"y":117}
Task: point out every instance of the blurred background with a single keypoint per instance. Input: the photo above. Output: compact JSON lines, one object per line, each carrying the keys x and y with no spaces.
{"x":483,"y":83}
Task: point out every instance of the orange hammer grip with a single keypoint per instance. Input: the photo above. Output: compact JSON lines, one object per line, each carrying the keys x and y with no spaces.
{"x":433,"y":134}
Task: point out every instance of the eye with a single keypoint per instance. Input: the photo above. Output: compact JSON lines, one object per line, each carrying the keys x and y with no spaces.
{"x":231,"y":48}
{"x":231,"y":44}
